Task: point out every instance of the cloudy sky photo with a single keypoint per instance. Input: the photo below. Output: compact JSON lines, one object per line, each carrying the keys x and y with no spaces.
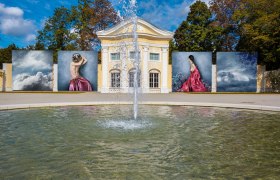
{"x":21,"y":19}
{"x":32,"y":70}
{"x":181,"y":67}
{"x":236,"y":72}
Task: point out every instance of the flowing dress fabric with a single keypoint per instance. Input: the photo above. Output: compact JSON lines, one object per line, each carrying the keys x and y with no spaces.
{"x":80,"y":84}
{"x":193,"y":83}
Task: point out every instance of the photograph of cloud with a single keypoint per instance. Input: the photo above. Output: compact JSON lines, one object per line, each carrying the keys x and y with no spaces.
{"x":87,"y":71}
{"x":32,"y":70}
{"x":181,"y":68}
{"x":236,"y":72}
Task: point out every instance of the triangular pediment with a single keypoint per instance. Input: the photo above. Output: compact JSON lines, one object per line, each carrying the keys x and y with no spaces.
{"x":125,"y":28}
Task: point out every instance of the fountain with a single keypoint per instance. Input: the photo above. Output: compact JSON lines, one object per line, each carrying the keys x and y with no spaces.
{"x":131,"y":12}
{"x":167,"y":142}
{"x":136,"y":59}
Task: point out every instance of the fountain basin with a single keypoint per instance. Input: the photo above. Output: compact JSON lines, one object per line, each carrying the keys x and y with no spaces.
{"x":165,"y":142}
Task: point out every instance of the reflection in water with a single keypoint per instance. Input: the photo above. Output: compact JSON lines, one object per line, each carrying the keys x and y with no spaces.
{"x":102,"y":142}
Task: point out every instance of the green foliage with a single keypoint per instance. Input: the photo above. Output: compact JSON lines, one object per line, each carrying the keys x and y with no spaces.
{"x":6,"y":54}
{"x":259,"y":30}
{"x":224,"y":11}
{"x":56,"y":34}
{"x":274,"y":78}
{"x":91,"y":16}
{"x":197,"y":32}
{"x":172,"y":48}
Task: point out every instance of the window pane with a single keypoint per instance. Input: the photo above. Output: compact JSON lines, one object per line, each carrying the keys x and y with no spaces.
{"x":132,"y":54}
{"x":154,"y":81}
{"x":154,"y":56}
{"x":115,"y":80}
{"x":131,"y":79}
{"x":115,"y":56}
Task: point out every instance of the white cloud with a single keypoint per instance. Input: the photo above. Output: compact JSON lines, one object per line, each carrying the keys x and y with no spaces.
{"x":164,"y":14}
{"x":30,"y":37}
{"x":13,"y":23}
{"x":39,"y":81}
{"x":10,"y":11}
{"x":35,"y":60}
{"x":229,"y":76}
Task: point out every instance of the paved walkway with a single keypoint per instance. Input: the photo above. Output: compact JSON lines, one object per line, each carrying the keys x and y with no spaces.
{"x":248,"y":101}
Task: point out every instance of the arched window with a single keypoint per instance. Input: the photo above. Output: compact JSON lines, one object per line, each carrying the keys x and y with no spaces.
{"x":131,"y":74}
{"x":154,"y":80}
{"x":115,"y":78}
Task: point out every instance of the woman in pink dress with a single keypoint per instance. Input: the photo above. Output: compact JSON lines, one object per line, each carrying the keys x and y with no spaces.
{"x":77,"y":82}
{"x":193,"y":83}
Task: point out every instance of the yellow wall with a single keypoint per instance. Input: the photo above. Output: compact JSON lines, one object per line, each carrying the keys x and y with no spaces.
{"x":169,"y":80}
{"x":1,"y":79}
{"x":8,"y":77}
{"x":99,"y":76}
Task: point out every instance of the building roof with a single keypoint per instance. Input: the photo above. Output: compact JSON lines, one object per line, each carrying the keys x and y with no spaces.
{"x":144,"y":29}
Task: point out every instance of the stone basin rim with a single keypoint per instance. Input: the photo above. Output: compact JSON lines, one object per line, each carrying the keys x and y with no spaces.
{"x":162,"y":103}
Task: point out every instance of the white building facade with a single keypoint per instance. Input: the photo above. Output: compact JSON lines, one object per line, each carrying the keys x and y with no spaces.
{"x":117,"y":58}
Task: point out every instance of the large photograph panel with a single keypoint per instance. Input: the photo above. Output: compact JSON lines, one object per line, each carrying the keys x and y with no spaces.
{"x":32,"y":70}
{"x":236,"y":72}
{"x":191,"y":71}
{"x":77,"y":71}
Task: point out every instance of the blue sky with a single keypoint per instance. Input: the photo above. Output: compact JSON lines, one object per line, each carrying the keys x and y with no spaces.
{"x":21,"y":19}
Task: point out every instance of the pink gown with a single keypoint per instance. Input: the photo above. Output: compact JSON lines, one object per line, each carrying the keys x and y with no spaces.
{"x":193,"y":83}
{"x":80,"y":84}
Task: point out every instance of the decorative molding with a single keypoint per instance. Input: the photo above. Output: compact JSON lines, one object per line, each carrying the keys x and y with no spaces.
{"x":146,"y":48}
{"x":140,"y":22}
{"x":139,"y":43}
{"x":164,"y":49}
{"x":105,"y":49}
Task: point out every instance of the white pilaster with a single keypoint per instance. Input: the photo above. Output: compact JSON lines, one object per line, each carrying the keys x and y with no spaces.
{"x":55,"y":77}
{"x":260,"y":78}
{"x":124,"y":70}
{"x":105,"y":72}
{"x":145,"y":72}
{"x":214,"y":78}
{"x":164,"y":73}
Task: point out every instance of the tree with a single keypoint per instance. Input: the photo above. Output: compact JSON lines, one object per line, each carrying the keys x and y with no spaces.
{"x":56,"y":34}
{"x":36,"y":46}
{"x":197,"y":32}
{"x":259,"y":30}
{"x":92,"y":16}
{"x":6,"y":54}
{"x":223,"y":11}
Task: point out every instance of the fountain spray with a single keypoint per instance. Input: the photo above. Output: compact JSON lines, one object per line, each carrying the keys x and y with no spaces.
{"x":136,"y":57}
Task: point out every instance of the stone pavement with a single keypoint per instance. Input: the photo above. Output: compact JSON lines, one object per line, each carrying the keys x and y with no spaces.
{"x":16,"y":100}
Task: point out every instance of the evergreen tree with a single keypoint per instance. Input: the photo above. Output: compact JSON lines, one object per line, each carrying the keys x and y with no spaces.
{"x":56,"y":34}
{"x":197,"y":32}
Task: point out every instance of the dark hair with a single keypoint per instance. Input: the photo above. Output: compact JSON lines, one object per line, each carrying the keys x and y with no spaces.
{"x":76,"y":57}
{"x":191,"y":57}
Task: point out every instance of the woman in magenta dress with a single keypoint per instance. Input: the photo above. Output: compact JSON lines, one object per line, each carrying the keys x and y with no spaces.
{"x":193,"y":83}
{"x":77,"y":82}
